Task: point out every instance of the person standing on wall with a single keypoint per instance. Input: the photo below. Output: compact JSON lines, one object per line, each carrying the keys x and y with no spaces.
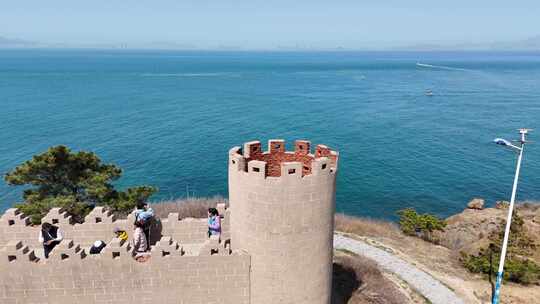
{"x":139,"y":242}
{"x":144,"y":215}
{"x":214,"y":222}
{"x":49,"y":236}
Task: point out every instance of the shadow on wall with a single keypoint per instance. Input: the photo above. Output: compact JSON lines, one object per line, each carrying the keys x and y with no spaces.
{"x":156,"y":229}
{"x":344,"y":283}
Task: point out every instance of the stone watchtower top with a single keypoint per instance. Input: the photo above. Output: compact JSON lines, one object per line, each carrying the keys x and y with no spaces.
{"x":276,"y":161}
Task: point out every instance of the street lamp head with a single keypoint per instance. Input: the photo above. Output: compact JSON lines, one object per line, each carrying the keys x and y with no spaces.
{"x":502,"y":142}
{"x":507,"y":143}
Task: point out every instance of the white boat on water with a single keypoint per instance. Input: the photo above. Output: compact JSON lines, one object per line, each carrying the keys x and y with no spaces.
{"x":429,"y":93}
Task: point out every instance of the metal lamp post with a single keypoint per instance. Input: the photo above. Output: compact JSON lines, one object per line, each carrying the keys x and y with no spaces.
{"x":519,"y":149}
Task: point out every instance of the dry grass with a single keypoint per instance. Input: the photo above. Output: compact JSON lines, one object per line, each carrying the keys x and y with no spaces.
{"x":358,"y":280}
{"x":531,"y":206}
{"x":367,"y":226}
{"x":192,"y":207}
{"x":412,"y":249}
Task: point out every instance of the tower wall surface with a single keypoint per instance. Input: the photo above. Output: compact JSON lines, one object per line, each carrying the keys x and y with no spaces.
{"x":282,"y":213}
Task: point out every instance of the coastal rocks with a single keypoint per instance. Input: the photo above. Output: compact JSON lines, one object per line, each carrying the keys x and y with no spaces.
{"x":502,"y":204}
{"x":470,"y":230}
{"x":536,"y":217}
{"x":476,"y":203}
{"x":470,"y":226}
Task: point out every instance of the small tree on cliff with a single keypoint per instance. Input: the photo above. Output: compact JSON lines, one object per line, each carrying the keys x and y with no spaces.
{"x":421,"y":225}
{"x":74,"y":181}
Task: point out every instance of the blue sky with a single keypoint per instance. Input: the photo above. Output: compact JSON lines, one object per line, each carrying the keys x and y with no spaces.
{"x":272,"y":23}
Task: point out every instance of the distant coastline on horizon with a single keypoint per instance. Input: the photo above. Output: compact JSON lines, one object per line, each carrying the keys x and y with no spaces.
{"x":529,"y":44}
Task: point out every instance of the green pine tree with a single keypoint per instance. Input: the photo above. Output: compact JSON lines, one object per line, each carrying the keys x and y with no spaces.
{"x":422,"y":225}
{"x":73,"y":181}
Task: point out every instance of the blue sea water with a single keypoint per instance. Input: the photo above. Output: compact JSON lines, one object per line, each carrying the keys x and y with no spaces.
{"x":169,"y":118}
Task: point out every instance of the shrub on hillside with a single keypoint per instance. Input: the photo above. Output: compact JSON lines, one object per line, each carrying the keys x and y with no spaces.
{"x":73,"y":181}
{"x":517,"y":270}
{"x":518,"y":267}
{"x":421,"y":225}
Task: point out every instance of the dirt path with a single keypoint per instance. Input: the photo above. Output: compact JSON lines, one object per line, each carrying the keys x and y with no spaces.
{"x":425,"y":284}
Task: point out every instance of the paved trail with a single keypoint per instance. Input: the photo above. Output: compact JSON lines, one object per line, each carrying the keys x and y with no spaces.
{"x":424,"y":283}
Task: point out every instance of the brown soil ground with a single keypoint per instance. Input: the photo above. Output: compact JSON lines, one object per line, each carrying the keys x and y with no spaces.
{"x":358,"y":280}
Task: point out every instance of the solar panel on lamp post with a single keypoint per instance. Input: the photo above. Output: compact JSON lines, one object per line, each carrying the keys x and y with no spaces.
{"x":504,"y":142}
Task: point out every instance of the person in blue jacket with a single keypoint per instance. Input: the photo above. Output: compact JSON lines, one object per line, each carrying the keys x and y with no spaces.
{"x":144,"y":215}
{"x":214,"y":222}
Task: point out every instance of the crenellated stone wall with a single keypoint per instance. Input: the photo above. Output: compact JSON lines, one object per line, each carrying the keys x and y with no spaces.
{"x":186,"y":266}
{"x":99,"y":225}
{"x":113,"y":276}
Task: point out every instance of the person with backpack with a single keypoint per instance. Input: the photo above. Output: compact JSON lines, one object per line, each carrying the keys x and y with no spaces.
{"x":214,"y":222}
{"x":144,"y":215}
{"x":49,"y":236}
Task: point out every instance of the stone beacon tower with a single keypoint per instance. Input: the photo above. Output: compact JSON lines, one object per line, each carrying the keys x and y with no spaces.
{"x":282,"y":214}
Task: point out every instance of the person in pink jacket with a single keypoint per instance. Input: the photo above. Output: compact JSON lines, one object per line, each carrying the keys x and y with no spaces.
{"x":139,"y":242}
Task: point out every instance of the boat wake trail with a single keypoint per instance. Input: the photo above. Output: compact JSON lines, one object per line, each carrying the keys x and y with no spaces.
{"x":440,"y":67}
{"x":225,"y":74}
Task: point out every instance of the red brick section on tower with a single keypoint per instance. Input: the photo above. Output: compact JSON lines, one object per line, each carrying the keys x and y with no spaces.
{"x":276,"y":155}
{"x":324,"y":151}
